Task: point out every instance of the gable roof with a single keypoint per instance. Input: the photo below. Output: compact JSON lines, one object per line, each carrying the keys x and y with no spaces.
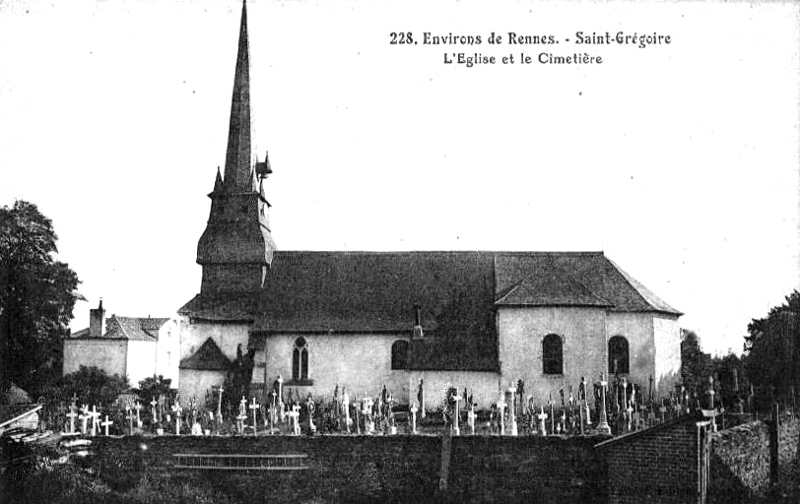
{"x":458,"y":292}
{"x":208,"y":357}
{"x":127,"y":328}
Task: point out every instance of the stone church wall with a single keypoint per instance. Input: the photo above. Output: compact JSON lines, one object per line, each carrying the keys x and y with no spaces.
{"x":667,"y":336}
{"x":227,"y":336}
{"x":637,"y":328}
{"x":195,"y":383}
{"x":108,"y":355}
{"x":521,"y":332}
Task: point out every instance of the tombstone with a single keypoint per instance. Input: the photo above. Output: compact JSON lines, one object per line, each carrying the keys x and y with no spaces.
{"x":457,"y":398}
{"x":280,"y":398}
{"x":625,"y":424}
{"x":106,"y":424}
{"x":197,"y":429}
{"x":603,"y":426}
{"x":552,"y":415}
{"x":414,"y":418}
{"x":542,"y":416}
{"x":177,"y":409}
{"x":421,"y":398}
{"x":242,"y":416}
{"x":310,"y":407}
{"x":501,"y":405}
{"x":153,"y":405}
{"x":471,"y":416}
{"x":254,"y":406}
{"x":369,"y":421}
{"x":138,"y":416}
{"x":346,"y":409}
{"x":512,"y":415}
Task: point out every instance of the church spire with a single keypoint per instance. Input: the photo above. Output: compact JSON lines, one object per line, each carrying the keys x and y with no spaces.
{"x":239,"y":175}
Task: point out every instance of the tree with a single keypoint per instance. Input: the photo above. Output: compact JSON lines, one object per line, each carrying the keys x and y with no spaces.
{"x":695,"y":365}
{"x":771,"y":353}
{"x":91,"y":384}
{"x":37,"y":295}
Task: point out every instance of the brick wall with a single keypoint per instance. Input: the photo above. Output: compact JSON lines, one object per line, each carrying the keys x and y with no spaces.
{"x":393,"y":468}
{"x":658,"y":465}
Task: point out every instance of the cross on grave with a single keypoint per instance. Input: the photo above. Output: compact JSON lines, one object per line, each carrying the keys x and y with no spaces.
{"x":177,"y":409}
{"x":471,"y":416}
{"x":138,"y":417}
{"x":295,"y":416}
{"x":280,"y":398}
{"x":369,"y":423}
{"x":414,"y":410}
{"x":254,"y":406}
{"x":273,"y":412}
{"x":512,"y":414}
{"x":310,"y":406}
{"x":457,"y":398}
{"x":501,"y":405}
{"x":95,"y":420}
{"x":346,"y":408}
{"x":72,"y":416}
{"x":84,"y":417}
{"x":625,"y":414}
{"x":106,"y":424}
{"x":542,"y":416}
{"x":552,"y":415}
{"x":220,"y":390}
{"x":603,"y":426}
{"x":242,"y":416}
{"x":153,"y":405}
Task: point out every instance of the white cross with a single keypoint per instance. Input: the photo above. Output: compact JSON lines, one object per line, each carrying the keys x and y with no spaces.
{"x":542,"y":416}
{"x":177,"y":409}
{"x":295,"y":416}
{"x":346,"y":407}
{"x":513,"y":414}
{"x":153,"y":403}
{"x":138,"y":418}
{"x":471,"y":416}
{"x":280,"y":397}
{"x":456,"y":398}
{"x":254,"y":406}
{"x":72,"y":416}
{"x":95,"y":419}
{"x":414,"y":410}
{"x":84,"y":417}
{"x":106,"y":424}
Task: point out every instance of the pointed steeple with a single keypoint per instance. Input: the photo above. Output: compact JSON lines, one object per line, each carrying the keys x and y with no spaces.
{"x":238,"y":161}
{"x":218,"y":181}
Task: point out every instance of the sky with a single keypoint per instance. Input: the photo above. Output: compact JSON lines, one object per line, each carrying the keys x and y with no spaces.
{"x":679,"y":160}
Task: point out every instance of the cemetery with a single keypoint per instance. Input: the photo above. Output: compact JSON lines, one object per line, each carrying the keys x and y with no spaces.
{"x":591,"y":442}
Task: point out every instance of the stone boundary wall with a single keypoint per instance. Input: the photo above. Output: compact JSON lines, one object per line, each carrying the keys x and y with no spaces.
{"x":740,"y":460}
{"x":382,"y":468}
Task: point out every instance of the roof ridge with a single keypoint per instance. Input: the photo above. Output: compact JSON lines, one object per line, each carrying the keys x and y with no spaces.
{"x":580,"y":284}
{"x":636,"y":285}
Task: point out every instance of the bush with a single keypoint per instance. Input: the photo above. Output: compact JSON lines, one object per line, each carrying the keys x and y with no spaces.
{"x":91,"y":385}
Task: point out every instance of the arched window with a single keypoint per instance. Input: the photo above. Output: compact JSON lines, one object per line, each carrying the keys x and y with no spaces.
{"x":300,"y":360}
{"x":552,"y":354}
{"x":400,"y":354}
{"x":618,"y":361}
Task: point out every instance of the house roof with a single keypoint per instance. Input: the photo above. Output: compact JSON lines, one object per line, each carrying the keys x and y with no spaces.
{"x":127,"y":328}
{"x":207,"y":357}
{"x":458,"y":292}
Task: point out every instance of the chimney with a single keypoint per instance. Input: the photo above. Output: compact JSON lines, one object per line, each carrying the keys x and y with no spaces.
{"x":97,"y":321}
{"x":417,"y":323}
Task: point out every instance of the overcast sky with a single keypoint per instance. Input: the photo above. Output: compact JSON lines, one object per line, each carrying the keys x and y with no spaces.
{"x":680,"y":161}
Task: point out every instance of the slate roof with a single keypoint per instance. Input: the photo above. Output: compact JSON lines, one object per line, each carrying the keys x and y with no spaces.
{"x":207,"y":357}
{"x":127,"y":328}
{"x":459,"y":292}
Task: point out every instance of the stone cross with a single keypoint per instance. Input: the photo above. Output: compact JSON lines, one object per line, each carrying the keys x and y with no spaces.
{"x":153,"y":404}
{"x":177,"y":409}
{"x":273,"y":412}
{"x":457,"y":398}
{"x":501,"y":405}
{"x":512,"y":414}
{"x":369,"y":423}
{"x":414,"y":410}
{"x":106,"y":424}
{"x":310,"y":410}
{"x":72,"y":416}
{"x":542,"y":416}
{"x":624,"y":387}
{"x":552,"y":415}
{"x":603,"y":426}
{"x":219,"y":403}
{"x":295,"y":414}
{"x":346,"y":408}
{"x":471,"y":416}
{"x":95,"y":420}
{"x":84,"y":417}
{"x":254,"y":406}
{"x":138,"y":417}
{"x":280,"y":398}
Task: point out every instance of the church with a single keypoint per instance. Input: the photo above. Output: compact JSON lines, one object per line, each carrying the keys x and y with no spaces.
{"x":480,"y":320}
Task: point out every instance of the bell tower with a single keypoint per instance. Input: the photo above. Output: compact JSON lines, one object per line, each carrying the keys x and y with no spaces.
{"x":236,"y":248}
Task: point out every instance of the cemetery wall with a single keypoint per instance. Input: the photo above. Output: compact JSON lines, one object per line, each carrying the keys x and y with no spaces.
{"x":106,"y":354}
{"x":740,"y":461}
{"x":381,"y":468}
{"x":521,"y":332}
{"x":657,"y":465}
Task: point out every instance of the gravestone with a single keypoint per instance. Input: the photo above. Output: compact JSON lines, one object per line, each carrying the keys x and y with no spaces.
{"x":414,"y":418}
{"x":177,"y":409}
{"x":542,"y":416}
{"x":254,"y":406}
{"x":501,"y":406}
{"x":106,"y":424}
{"x":603,"y":426}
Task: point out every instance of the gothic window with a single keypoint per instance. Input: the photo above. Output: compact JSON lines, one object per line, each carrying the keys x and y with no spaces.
{"x":552,"y":354}
{"x":618,"y":361}
{"x":300,"y":360}
{"x":400,"y":354}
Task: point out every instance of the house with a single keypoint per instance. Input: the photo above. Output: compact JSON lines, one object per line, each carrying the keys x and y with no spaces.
{"x":139,"y":347}
{"x":479,"y":320}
